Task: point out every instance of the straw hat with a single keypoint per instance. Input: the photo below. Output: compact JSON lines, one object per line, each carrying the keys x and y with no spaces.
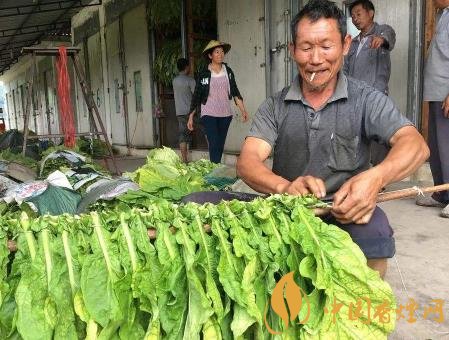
{"x":215,"y":43}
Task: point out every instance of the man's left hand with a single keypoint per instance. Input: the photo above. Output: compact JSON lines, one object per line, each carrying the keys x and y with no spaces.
{"x":244,"y":116}
{"x":445,"y":107}
{"x":356,"y":200}
{"x":377,"y":42}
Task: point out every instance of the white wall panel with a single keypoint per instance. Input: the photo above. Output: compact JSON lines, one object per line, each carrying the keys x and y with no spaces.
{"x":96,"y":73}
{"x":82,"y":120}
{"x":239,"y":25}
{"x":115,"y":84}
{"x":137,"y":60}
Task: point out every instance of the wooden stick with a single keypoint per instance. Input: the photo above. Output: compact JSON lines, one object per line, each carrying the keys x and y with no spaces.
{"x":152,"y":234}
{"x":382,"y":197}
{"x":394,"y":195}
{"x":410,"y":192}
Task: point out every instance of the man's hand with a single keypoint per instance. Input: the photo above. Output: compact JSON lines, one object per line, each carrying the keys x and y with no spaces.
{"x":244,"y":116}
{"x":356,"y":200}
{"x":305,"y":185}
{"x":445,"y":107}
{"x":190,"y":122}
{"x":377,"y":42}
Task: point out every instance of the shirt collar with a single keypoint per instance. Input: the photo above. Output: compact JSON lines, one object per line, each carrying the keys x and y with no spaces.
{"x":341,"y":90}
{"x":371,"y":31}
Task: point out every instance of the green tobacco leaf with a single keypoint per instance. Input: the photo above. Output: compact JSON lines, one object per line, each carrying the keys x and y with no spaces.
{"x":337,"y":268}
{"x":99,"y":276}
{"x":199,"y":305}
{"x":173,"y":281}
{"x":207,"y":257}
{"x":31,"y":295}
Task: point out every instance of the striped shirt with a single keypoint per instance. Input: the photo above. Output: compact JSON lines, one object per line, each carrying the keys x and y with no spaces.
{"x":218,"y":104}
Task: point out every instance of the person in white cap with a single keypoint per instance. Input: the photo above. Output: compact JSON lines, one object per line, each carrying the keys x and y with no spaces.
{"x":214,"y":89}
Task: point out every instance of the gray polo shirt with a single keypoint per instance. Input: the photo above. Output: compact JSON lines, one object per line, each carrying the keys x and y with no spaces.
{"x":368,"y":64}
{"x":436,"y":71}
{"x":183,"y":88}
{"x":331,"y":143}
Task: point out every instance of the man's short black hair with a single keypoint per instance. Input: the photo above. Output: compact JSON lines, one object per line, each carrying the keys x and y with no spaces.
{"x":318,"y":9}
{"x":182,"y":64}
{"x":366,"y":4}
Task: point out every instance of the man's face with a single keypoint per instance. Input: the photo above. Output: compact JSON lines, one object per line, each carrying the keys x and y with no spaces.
{"x":441,"y":3}
{"x":319,"y":49}
{"x":362,"y":18}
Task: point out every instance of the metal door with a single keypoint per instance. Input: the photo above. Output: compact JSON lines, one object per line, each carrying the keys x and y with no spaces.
{"x":281,"y":69}
{"x":96,"y":72}
{"x":82,"y":120}
{"x":242,"y":26}
{"x":9,"y":108}
{"x":17,"y":110}
{"x":13,"y":109}
{"x":21,"y":105}
{"x":115,"y":84}
{"x":50,"y":102}
{"x":138,"y":77}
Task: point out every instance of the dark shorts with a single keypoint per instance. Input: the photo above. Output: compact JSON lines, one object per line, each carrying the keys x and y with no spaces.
{"x":375,"y":239}
{"x":184,"y":135}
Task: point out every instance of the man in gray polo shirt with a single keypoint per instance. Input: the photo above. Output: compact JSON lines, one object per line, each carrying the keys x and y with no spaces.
{"x":368,"y":58}
{"x":319,"y":130}
{"x":183,"y":88}
{"x":436,"y":92}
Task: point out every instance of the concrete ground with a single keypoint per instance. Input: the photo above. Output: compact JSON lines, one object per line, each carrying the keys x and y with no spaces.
{"x":420,"y":268}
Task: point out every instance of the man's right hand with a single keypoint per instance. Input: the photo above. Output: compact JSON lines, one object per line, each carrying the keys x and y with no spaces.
{"x":305,"y":185}
{"x":190,"y":122}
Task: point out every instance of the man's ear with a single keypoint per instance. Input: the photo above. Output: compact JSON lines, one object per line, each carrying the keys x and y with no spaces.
{"x":346,"y":44}
{"x":371,"y":14}
{"x":291,"y":48}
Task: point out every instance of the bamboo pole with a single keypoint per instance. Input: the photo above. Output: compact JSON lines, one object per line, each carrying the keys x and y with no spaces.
{"x":394,"y":195}
{"x":382,"y":197}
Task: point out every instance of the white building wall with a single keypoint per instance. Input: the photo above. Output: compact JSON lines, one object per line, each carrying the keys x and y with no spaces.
{"x":136,"y":48}
{"x":115,"y":84}
{"x":19,"y":75}
{"x":240,"y":26}
{"x":105,"y":72}
{"x":280,"y":62}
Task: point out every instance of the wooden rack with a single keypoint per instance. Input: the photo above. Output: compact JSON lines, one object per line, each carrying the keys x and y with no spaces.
{"x":94,"y":114}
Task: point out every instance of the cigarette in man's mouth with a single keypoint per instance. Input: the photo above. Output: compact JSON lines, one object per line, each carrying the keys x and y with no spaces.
{"x":312,"y":77}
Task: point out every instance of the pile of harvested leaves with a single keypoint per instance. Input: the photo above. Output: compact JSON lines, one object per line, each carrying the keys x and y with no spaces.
{"x":208,"y":274}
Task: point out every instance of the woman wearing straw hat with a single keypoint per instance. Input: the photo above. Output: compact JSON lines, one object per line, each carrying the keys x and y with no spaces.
{"x":214,"y":89}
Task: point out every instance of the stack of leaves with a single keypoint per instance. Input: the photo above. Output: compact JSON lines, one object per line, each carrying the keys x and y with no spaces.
{"x":208,"y":274}
{"x":166,"y":176}
{"x":50,"y":165}
{"x":94,"y":147}
{"x":10,"y":156}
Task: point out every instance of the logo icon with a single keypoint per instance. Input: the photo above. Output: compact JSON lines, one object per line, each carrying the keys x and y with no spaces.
{"x":287,"y":300}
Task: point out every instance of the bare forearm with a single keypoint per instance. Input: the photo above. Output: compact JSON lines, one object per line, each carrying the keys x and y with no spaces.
{"x":405,"y":157}
{"x":240,"y":104}
{"x":259,"y":177}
